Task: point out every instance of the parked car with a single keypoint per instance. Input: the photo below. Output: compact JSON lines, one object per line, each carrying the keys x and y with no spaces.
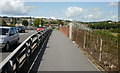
{"x":21,"y":28}
{"x":41,"y":28}
{"x":8,"y":37}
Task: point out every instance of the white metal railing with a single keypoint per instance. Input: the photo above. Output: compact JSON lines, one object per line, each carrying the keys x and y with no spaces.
{"x":15,"y":60}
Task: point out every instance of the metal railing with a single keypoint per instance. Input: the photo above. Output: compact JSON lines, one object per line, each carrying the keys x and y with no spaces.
{"x":21,"y":55}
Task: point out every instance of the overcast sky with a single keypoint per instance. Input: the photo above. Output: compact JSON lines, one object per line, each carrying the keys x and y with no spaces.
{"x":82,"y":11}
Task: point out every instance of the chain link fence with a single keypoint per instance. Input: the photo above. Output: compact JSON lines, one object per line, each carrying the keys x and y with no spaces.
{"x":103,"y":49}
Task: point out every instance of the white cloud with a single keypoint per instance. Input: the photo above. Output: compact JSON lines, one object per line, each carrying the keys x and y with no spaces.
{"x":52,"y":17}
{"x":113,"y":4}
{"x":92,"y":10}
{"x":95,"y":16}
{"x":14,"y":7}
{"x":74,"y":11}
{"x":91,"y":14}
{"x":114,"y":17}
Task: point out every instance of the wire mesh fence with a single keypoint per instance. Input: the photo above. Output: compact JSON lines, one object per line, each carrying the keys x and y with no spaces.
{"x":102,"y":48}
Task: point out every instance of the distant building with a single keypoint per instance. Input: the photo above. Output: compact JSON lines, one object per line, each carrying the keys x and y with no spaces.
{"x":51,"y":25}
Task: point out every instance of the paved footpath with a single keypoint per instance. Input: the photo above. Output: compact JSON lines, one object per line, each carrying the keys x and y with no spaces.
{"x":62,"y":55}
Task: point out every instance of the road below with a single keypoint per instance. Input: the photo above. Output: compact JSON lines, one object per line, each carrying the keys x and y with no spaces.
{"x":23,"y":36}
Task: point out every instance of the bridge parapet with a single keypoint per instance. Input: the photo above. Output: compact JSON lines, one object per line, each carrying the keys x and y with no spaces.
{"x":21,"y":56}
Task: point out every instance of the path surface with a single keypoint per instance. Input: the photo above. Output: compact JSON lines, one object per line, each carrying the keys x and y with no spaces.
{"x":62,"y":55}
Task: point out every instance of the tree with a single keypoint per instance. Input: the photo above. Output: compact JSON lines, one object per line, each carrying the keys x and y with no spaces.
{"x":104,"y":25}
{"x":53,"y":22}
{"x":14,"y":21}
{"x":60,"y":22}
{"x":37,"y":22}
{"x":2,"y":22}
{"x":25,"y":22}
{"x":42,"y":22}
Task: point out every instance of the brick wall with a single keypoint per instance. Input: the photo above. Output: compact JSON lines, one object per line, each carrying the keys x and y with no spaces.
{"x":65,"y":30}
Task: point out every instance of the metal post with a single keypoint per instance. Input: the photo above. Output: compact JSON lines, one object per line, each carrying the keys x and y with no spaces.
{"x":84,"y":41}
{"x":38,"y":41}
{"x":27,"y":55}
{"x":30,"y":45}
{"x":70,"y":30}
{"x":17,"y":65}
{"x":100,"y":57}
{"x":10,"y":67}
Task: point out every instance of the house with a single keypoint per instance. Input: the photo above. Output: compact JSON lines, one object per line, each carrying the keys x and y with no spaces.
{"x":52,"y":25}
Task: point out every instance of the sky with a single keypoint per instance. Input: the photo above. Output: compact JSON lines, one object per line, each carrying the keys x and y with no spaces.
{"x":80,"y":11}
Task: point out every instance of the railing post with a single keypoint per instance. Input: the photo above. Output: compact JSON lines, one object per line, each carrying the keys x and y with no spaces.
{"x":30,"y":46}
{"x":0,"y":70}
{"x":42,"y":36}
{"x":38,"y":41}
{"x":10,"y":67}
{"x":17,"y":65}
{"x":27,"y":55}
{"x":100,"y":57}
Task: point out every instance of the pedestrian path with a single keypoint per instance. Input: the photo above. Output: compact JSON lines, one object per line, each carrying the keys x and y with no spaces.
{"x":62,"y":55}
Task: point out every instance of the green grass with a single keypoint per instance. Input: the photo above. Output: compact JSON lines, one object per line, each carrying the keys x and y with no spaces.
{"x":54,"y":28}
{"x":105,"y":33}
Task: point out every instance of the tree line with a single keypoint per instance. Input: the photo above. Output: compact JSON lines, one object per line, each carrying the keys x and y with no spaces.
{"x":36,"y":23}
{"x":104,"y":25}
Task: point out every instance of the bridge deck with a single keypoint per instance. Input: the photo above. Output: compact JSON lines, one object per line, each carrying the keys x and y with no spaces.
{"x":62,"y":55}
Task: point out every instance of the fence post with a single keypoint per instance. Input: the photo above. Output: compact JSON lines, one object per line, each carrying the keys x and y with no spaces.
{"x":70,"y":30}
{"x":84,"y":41}
{"x":100,"y":57}
{"x":10,"y":67}
{"x":119,"y":48}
